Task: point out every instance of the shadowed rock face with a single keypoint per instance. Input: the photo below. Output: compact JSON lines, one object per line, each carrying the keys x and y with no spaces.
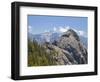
{"x":68,"y":49}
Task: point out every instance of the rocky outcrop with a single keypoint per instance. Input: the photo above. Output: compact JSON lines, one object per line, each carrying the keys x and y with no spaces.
{"x":68,"y":49}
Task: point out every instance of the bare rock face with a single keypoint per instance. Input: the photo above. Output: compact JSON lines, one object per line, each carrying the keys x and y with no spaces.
{"x":58,"y":55}
{"x":68,"y":49}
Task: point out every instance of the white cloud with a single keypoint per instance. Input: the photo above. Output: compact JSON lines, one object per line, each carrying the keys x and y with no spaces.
{"x":30,"y":29}
{"x":82,"y":33}
{"x":63,"y":29}
{"x":54,"y":29}
{"x":60,"y":29}
{"x":67,"y":27}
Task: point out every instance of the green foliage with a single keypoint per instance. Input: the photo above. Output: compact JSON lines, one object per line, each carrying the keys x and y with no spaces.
{"x":37,"y":55}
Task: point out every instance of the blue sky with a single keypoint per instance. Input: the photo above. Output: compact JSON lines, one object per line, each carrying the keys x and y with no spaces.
{"x":39,"y":24}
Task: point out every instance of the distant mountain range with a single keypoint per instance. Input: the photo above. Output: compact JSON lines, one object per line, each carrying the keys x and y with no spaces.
{"x":44,"y":37}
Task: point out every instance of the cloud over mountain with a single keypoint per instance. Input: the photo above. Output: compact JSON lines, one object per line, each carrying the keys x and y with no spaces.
{"x":61,"y":29}
{"x":64,"y":29}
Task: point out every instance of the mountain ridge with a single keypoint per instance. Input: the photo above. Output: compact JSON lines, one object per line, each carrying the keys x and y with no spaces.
{"x":53,"y":36}
{"x":67,"y":49}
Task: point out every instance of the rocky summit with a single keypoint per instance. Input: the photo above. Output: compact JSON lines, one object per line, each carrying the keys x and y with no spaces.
{"x":69,"y":49}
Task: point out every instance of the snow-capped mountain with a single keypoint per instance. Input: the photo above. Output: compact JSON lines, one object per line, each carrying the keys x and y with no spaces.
{"x":44,"y":37}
